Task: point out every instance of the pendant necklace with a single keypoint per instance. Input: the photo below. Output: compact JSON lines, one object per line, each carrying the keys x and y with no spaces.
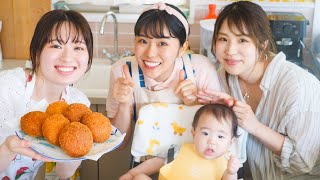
{"x":246,"y":95}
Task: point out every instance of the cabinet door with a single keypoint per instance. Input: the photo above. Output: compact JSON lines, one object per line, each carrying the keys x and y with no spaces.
{"x":19,"y":20}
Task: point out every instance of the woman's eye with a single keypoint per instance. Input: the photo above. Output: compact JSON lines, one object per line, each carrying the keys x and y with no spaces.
{"x":220,"y":137}
{"x":56,"y":46}
{"x":143,"y":41}
{"x":79,"y":48}
{"x":163,"y":44}
{"x":243,"y":40}
{"x":222,"y":39}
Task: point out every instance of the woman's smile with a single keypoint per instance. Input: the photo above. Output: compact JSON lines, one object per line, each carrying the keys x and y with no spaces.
{"x":232,"y":62}
{"x":65,"y":69}
{"x":150,"y":64}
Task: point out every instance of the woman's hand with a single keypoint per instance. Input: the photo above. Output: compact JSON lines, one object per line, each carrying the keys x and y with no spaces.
{"x":123,"y":87}
{"x":246,"y":118}
{"x":209,"y":97}
{"x":13,"y":146}
{"x":186,"y":89}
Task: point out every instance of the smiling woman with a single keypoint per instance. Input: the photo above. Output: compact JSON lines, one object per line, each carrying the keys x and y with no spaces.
{"x":275,"y":101}
{"x":160,"y":71}
{"x":61,"y":52}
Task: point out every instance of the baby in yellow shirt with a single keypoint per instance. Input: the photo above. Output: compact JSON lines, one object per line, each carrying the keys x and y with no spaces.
{"x":214,"y":128}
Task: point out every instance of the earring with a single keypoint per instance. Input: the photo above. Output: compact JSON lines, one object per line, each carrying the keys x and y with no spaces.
{"x":266,"y":57}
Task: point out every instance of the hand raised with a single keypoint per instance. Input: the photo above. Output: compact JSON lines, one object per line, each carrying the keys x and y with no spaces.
{"x":123,"y":87}
{"x":209,"y":96}
{"x":246,"y":117}
{"x":186,"y":89}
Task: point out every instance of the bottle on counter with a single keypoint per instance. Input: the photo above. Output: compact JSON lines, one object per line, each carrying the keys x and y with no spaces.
{"x":212,"y":12}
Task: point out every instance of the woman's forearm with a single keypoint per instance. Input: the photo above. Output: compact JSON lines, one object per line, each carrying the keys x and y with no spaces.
{"x":123,"y":121}
{"x":148,"y":167}
{"x":6,"y":157}
{"x":270,"y":138}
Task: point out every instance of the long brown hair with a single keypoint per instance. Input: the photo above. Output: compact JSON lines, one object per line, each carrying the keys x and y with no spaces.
{"x":251,"y":20}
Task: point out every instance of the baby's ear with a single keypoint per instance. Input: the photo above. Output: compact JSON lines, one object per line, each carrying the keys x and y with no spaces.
{"x":193,"y":132}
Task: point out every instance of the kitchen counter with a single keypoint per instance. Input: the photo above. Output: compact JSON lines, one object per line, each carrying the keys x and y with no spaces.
{"x":12,"y":63}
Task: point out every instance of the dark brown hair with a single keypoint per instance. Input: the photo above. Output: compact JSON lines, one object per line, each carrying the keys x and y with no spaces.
{"x":220,"y":112}
{"x":51,"y":23}
{"x":246,"y":16}
{"x":151,"y":23}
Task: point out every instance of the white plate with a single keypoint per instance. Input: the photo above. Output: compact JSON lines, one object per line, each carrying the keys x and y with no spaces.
{"x":41,"y":146}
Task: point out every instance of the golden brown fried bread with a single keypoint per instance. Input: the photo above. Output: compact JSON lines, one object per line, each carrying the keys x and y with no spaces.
{"x":31,"y":123}
{"x":57,"y":108}
{"x":76,"y":139}
{"x":53,"y":126}
{"x":75,"y":112}
{"x":99,"y":125}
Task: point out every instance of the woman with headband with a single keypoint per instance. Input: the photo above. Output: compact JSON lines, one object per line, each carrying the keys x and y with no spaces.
{"x":160,"y":71}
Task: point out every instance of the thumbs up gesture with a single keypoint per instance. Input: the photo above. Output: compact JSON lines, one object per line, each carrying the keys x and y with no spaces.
{"x":123,"y":87}
{"x":186,"y":89}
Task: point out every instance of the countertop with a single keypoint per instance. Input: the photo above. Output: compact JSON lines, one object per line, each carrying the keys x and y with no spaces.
{"x":12,"y":63}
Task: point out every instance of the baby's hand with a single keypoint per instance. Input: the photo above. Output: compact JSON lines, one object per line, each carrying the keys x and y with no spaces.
{"x":233,"y":165}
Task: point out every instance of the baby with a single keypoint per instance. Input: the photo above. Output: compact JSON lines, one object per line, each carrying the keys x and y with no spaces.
{"x":214,"y":128}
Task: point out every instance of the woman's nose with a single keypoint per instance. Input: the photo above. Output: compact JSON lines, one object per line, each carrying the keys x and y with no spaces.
{"x":231,"y":48}
{"x":67,"y":55}
{"x":151,"y":51}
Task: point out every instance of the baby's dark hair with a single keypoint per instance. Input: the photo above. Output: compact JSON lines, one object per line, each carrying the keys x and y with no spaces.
{"x":151,"y":24}
{"x":50,"y":24}
{"x":220,"y":112}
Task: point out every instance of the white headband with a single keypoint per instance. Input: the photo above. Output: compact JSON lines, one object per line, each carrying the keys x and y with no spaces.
{"x":162,"y":6}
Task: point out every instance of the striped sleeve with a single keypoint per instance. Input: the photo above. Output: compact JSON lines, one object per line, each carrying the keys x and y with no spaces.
{"x":301,"y":126}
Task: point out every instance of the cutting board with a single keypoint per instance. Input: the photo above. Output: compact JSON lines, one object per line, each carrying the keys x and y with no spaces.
{"x":19,"y":18}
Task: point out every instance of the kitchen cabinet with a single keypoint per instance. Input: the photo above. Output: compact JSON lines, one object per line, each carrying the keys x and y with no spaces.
{"x":19,"y":19}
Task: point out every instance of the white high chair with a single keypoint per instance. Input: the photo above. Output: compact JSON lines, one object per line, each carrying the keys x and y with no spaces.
{"x":161,"y":126}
